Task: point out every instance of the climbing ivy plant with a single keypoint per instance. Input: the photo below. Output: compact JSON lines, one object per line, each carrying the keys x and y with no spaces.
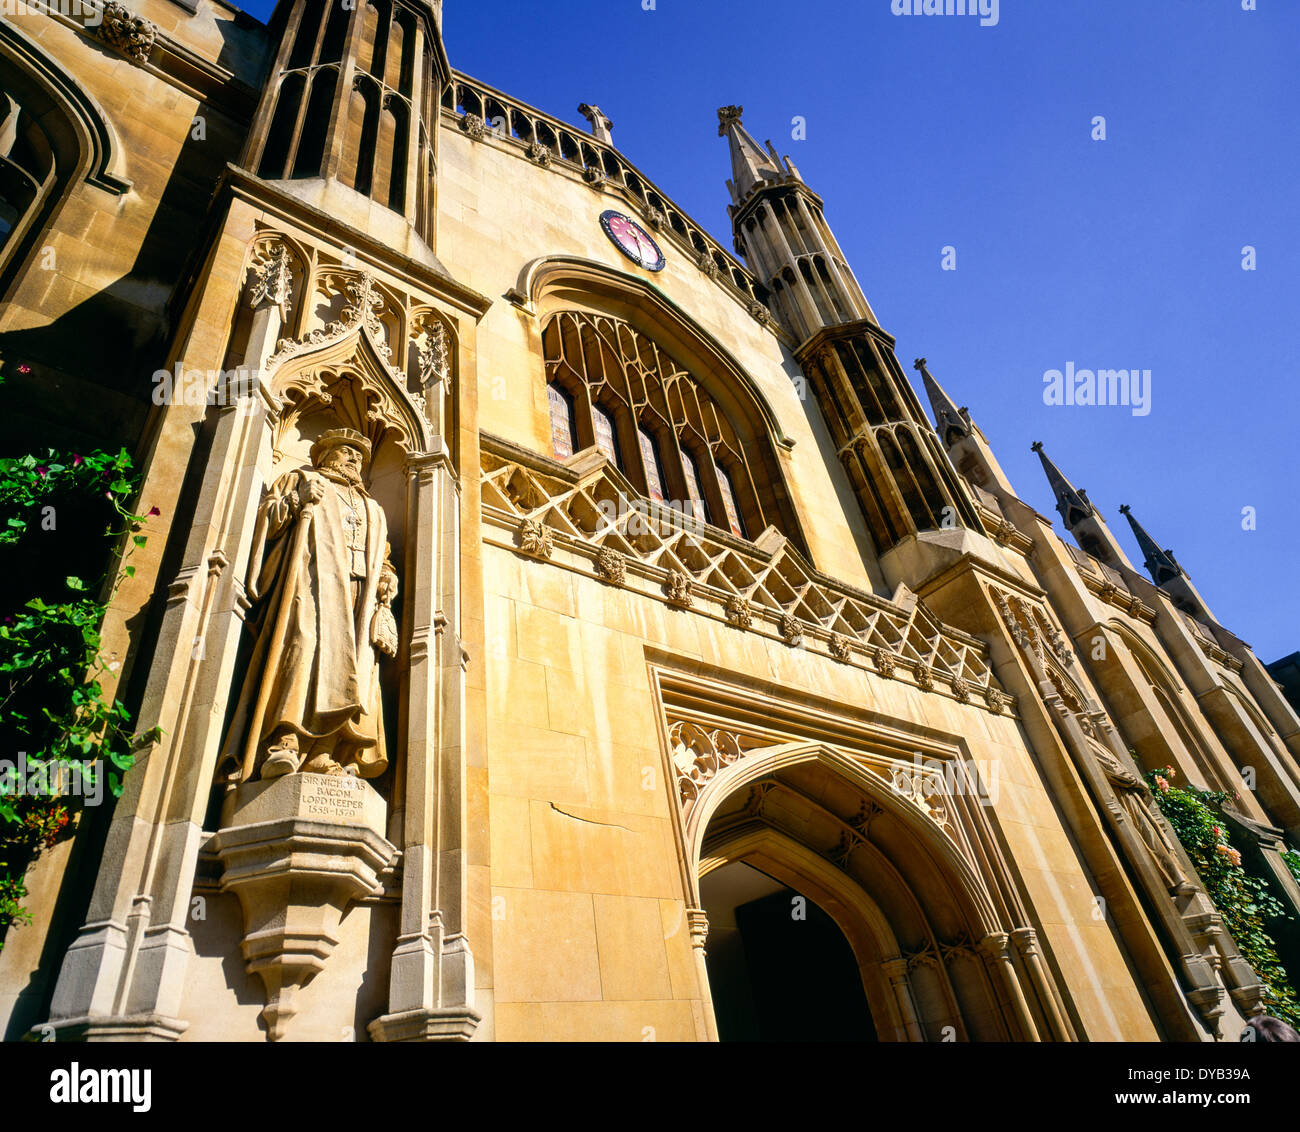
{"x":62,"y":739}
{"x":1244,"y":901}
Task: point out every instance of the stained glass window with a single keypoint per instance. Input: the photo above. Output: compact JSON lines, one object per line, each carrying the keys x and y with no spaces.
{"x":562,"y":422}
{"x":734,"y":520}
{"x":606,"y":434}
{"x":696,"y":496}
{"x":653,"y":468}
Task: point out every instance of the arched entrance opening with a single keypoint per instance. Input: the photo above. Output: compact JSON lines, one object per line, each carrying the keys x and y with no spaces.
{"x":881,"y":862}
{"x":779,"y":967}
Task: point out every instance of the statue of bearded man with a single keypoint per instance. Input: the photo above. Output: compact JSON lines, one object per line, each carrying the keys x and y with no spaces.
{"x":322,"y":585}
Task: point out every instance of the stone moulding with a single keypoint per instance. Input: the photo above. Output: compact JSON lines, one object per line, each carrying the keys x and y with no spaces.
{"x":556,"y":513}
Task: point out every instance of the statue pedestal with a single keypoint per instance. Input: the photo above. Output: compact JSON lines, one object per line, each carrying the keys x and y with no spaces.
{"x":296,"y":851}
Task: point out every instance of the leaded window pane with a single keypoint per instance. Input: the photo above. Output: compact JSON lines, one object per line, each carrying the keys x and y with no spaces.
{"x":653,"y":469}
{"x":562,"y":422}
{"x":729,"y":504}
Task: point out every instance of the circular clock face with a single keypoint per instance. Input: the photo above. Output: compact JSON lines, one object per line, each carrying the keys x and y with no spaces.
{"x":632,"y":240}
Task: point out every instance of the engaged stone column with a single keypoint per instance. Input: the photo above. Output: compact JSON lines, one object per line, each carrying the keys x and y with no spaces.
{"x":996,"y":949}
{"x":895,"y":970}
{"x":698,"y":921}
{"x":1026,"y":942}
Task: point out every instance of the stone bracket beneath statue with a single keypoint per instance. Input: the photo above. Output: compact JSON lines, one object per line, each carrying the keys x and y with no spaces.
{"x":296,"y":851}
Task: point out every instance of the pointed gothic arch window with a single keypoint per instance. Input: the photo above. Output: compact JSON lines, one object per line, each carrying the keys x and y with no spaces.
{"x":677,"y":445}
{"x":53,"y":135}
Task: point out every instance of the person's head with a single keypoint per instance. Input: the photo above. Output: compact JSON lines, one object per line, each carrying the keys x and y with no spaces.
{"x":342,"y":453}
{"x":346,"y":461}
{"x":1266,"y":1028}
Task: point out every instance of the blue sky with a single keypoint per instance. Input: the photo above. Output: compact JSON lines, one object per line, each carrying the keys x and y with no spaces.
{"x":929,"y":131}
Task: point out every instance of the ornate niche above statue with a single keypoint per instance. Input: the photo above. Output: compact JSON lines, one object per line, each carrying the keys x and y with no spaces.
{"x":303,"y":830}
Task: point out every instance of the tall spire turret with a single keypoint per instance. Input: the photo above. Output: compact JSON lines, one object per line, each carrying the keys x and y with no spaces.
{"x":966,"y":445}
{"x":351,"y":111}
{"x":901,"y":475}
{"x":1166,"y":572}
{"x":1160,"y":564}
{"x":1078,"y":514}
{"x":1072,"y":503}
{"x":950,"y":422}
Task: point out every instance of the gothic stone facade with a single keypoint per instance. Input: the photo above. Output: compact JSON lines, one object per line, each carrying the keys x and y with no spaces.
{"x":851,"y":658}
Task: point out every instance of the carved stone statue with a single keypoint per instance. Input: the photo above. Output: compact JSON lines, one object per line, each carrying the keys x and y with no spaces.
{"x":1135,"y":799}
{"x":322,"y":586}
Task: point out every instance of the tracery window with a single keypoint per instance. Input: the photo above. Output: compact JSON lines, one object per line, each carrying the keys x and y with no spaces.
{"x":680,"y":448}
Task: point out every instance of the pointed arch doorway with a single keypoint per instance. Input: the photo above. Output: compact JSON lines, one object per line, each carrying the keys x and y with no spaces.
{"x":885,"y":873}
{"x":780,"y":968}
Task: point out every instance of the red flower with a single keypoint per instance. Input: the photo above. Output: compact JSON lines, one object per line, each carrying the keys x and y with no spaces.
{"x":24,"y":368}
{"x":41,"y":469}
{"x":153,"y":511}
{"x":1218,"y":832}
{"x":77,"y":461}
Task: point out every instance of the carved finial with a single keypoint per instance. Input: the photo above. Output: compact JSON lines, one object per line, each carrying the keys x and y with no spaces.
{"x":601,"y":126}
{"x":726,"y":116}
{"x":919,"y":365}
{"x":1037,"y":446}
{"x":1123,"y":509}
